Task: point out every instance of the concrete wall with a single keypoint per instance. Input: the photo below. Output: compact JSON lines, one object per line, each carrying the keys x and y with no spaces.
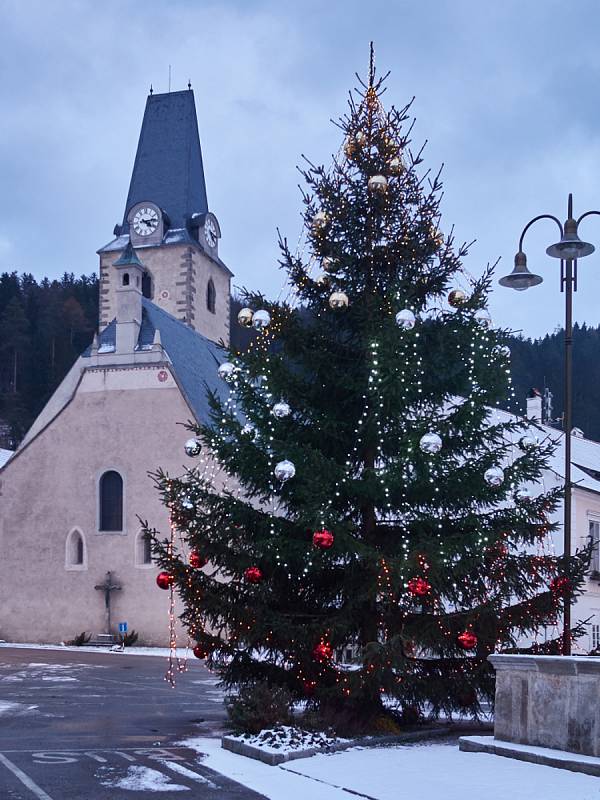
{"x":548,"y":701}
{"x":120,"y":418}
{"x":180,"y":274}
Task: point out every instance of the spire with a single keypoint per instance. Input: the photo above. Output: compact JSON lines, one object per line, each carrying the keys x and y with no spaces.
{"x":168,"y":167}
{"x":128,"y":258}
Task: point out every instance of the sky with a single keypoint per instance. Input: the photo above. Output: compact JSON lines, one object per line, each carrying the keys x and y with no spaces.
{"x":506,"y":95}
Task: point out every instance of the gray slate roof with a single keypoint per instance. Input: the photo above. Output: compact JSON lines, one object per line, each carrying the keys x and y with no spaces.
{"x":168,"y":166}
{"x":195,"y":359}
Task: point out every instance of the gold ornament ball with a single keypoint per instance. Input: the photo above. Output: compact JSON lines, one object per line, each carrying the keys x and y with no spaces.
{"x":350,"y":147}
{"x":378,"y":184}
{"x":396,"y":165}
{"x":360,"y":138}
{"x":457,"y":298}
{"x":245,"y":317}
{"x":338,"y":300}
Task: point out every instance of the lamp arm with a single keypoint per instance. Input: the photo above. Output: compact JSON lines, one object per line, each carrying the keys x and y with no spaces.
{"x":588,"y":214}
{"x":535,"y":219}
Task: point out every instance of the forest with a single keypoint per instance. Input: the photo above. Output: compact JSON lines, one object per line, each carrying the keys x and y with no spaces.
{"x":45,"y":325}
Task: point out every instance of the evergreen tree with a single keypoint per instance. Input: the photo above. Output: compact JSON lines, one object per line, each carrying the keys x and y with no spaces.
{"x":373,"y":501}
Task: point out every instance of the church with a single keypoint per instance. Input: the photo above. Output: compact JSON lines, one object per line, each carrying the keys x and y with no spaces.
{"x":72,"y":495}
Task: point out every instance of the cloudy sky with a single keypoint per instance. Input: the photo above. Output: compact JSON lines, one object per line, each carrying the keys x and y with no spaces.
{"x":507,"y":95}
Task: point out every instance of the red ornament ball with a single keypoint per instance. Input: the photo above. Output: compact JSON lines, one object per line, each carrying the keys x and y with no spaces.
{"x":561,"y":586}
{"x":164,"y":580}
{"x":253,"y":575}
{"x":200,"y":651}
{"x":419,"y":587}
{"x":467,"y":640}
{"x":197,"y":561}
{"x":323,"y":651}
{"x":323,"y":539}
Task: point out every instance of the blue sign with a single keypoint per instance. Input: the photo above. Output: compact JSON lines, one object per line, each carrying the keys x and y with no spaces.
{"x":122,"y":627}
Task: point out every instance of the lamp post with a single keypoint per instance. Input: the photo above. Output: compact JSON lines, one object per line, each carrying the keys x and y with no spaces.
{"x":569,"y":249}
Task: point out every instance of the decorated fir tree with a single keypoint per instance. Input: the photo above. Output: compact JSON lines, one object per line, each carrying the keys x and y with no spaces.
{"x":369,"y":502}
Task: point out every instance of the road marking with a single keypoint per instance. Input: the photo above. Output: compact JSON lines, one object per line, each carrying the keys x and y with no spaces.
{"x":25,"y":779}
{"x":187,"y":773}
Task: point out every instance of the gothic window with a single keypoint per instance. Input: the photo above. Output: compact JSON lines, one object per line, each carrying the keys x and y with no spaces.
{"x":75,"y":553}
{"x":111,"y":501}
{"x":147,"y":285}
{"x":125,"y":279}
{"x":143,"y":550}
{"x":211,"y":296}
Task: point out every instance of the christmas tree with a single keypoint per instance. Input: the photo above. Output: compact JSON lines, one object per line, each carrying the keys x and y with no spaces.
{"x":368,"y":502}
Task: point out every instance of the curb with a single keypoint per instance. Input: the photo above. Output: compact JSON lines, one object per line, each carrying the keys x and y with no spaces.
{"x":238,"y":747}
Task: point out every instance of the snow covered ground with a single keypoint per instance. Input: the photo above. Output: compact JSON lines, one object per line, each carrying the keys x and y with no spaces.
{"x":163,"y":652}
{"x":416,"y":772}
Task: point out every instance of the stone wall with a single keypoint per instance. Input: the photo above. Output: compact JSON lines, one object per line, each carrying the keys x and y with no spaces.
{"x":548,"y":701}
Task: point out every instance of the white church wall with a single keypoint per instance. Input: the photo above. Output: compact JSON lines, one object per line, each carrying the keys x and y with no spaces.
{"x":51,"y":487}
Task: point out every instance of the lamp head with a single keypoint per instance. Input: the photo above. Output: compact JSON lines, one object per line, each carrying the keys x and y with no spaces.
{"x":520,"y":278}
{"x":570,"y":246}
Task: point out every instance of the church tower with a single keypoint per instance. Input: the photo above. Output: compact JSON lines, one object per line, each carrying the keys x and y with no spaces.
{"x":168,"y":223}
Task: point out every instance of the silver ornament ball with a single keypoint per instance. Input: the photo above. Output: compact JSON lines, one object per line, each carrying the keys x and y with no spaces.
{"x":192,"y":448}
{"x":483,"y":318}
{"x":494,"y":476}
{"x":245,"y":317}
{"x":319,"y":220}
{"x":378,"y":184}
{"x":430,"y":443}
{"x":281,"y":410}
{"x":405,"y":319}
{"x":528,"y":441}
{"x":227,"y":371}
{"x":338,"y":300}
{"x":261,"y":320}
{"x":284,"y":470}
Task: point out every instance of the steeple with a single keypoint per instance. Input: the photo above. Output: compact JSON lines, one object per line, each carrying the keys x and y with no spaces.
{"x":168,"y":166}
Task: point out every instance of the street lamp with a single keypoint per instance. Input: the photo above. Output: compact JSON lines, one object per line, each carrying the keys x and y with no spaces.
{"x":569,"y":249}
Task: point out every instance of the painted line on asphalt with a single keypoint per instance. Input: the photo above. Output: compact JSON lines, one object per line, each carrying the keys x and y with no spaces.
{"x":25,"y":779}
{"x":187,"y":773}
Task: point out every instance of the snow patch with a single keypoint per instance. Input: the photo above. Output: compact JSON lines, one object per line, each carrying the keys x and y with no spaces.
{"x":14,"y":709}
{"x":419,"y":772}
{"x":144,"y":779}
{"x":288,"y":739}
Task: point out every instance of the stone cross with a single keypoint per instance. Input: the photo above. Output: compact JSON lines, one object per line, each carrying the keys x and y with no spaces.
{"x":107,"y":587}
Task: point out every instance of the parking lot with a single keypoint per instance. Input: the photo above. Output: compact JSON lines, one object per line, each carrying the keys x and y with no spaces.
{"x":99,"y":725}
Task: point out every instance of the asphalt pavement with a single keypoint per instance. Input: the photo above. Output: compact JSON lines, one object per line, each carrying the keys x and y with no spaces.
{"x":90,"y":726}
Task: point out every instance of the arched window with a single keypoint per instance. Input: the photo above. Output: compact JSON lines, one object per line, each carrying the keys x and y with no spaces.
{"x":147,"y":285}
{"x":143,"y":549}
{"x":125,"y":279}
{"x":75,"y":551}
{"x":211,"y":296}
{"x":111,"y":501}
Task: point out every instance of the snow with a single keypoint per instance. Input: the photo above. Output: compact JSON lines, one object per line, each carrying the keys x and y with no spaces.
{"x":163,"y":652}
{"x":559,"y":755}
{"x":287,"y":739}
{"x":14,"y":709}
{"x":416,"y":772}
{"x":106,"y":348}
{"x":144,"y":779}
{"x":4,"y":456}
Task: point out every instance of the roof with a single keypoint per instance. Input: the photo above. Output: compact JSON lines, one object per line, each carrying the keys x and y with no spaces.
{"x":128,"y":258}
{"x":168,"y":166}
{"x":194,"y":358}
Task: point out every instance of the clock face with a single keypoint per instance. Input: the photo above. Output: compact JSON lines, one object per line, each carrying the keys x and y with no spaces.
{"x":145,"y":221}
{"x":211,"y":232}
